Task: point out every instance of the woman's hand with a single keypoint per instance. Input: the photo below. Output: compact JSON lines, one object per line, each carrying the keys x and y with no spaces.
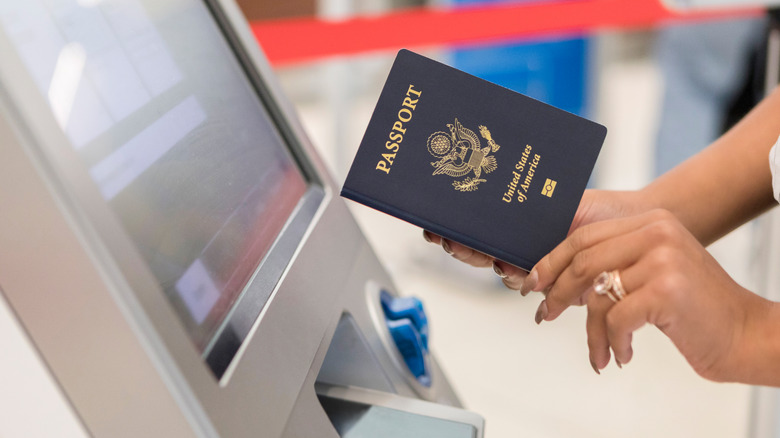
{"x":724,"y":331}
{"x":599,"y":205}
{"x":596,"y":205}
{"x":671,"y":282}
{"x":458,"y":251}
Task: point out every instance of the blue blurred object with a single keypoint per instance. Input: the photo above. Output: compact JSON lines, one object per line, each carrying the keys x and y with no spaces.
{"x":396,"y":308}
{"x":554,"y":71}
{"x":408,"y":326}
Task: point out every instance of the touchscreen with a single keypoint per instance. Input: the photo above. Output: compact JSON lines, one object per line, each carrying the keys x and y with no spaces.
{"x":155,"y":103}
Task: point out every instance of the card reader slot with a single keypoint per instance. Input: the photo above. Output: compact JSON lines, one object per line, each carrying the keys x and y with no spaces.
{"x":362,"y":413}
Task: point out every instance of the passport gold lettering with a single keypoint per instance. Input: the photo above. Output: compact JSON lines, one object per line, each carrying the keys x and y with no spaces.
{"x":512,"y":186}
{"x":523,"y":159}
{"x":411,"y":90}
{"x":530,"y":175}
{"x":517,"y":176}
{"x":398,"y":131}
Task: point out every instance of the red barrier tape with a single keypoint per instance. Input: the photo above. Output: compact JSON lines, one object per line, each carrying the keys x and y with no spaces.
{"x":301,"y":40}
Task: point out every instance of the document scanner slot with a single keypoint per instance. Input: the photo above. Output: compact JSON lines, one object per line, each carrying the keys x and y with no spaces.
{"x":363,"y":413}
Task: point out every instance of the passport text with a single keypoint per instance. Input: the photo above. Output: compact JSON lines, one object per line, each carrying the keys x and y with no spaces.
{"x":398,"y":131}
{"x":515,"y":188}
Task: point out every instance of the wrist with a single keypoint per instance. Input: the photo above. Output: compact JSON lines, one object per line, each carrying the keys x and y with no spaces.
{"x":758,"y":351}
{"x":657,"y":194}
{"x":698,"y":218}
{"x":647,"y":199}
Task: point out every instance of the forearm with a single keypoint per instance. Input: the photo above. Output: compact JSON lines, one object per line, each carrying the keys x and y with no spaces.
{"x":727,"y":183}
{"x":758,"y":355}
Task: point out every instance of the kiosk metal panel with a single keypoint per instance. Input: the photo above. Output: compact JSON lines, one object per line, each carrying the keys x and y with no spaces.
{"x":171,"y":242}
{"x":159,"y":109}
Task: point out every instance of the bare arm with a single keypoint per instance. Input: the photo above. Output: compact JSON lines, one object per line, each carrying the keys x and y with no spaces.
{"x":726,"y":184}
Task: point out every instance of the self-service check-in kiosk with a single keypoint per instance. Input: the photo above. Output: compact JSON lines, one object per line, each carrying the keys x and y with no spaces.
{"x":175,"y":252}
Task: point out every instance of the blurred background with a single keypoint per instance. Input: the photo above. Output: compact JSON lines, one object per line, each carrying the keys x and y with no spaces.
{"x":664,"y":90}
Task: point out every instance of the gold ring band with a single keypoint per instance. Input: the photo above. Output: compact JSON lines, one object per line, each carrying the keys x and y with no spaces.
{"x":617,"y":285}
{"x":608,"y":283}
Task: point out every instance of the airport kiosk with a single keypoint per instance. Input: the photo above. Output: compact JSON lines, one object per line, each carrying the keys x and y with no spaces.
{"x":172,"y":248}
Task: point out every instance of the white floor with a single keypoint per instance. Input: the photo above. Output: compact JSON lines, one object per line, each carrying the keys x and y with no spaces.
{"x":529,"y":380}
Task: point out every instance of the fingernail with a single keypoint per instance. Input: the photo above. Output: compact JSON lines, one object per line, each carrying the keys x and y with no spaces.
{"x":530,"y":283}
{"x":427,"y":236}
{"x":620,"y":365}
{"x":498,"y":271}
{"x":446,"y":246}
{"x":595,"y":368}
{"x":541,"y":312}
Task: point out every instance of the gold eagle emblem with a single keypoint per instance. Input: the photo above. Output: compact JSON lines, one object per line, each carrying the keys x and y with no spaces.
{"x":460,"y":153}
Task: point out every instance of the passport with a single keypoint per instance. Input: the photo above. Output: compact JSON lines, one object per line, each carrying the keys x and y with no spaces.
{"x":473,"y":162}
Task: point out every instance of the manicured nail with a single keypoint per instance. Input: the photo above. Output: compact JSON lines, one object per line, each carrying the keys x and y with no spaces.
{"x":595,"y":368}
{"x":446,"y":246}
{"x":620,"y":365}
{"x":530,"y":283}
{"x":427,"y":236}
{"x":498,"y":271}
{"x":541,"y":312}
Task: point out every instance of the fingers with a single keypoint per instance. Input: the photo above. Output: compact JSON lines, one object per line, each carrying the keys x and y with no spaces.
{"x":511,"y":275}
{"x":459,"y":251}
{"x":466,"y":254}
{"x":553,"y":264}
{"x":611,"y":325}
{"x":618,"y":252}
{"x":431,"y":238}
{"x":623,"y":320}
{"x":596,"y":327}
{"x":571,"y":267}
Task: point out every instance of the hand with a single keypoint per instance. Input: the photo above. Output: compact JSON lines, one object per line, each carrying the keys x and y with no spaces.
{"x":671,"y":282}
{"x":595,"y":205}
{"x":511,"y":275}
{"x":459,"y":252}
{"x":599,"y":205}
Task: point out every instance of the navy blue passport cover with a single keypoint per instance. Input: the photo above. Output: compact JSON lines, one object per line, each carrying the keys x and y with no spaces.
{"x":472,"y":161}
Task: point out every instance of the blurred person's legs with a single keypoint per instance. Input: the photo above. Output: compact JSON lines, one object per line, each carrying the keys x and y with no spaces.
{"x":704,"y":67}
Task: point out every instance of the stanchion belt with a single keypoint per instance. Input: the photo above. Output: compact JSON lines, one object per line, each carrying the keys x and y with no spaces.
{"x":299,"y":40}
